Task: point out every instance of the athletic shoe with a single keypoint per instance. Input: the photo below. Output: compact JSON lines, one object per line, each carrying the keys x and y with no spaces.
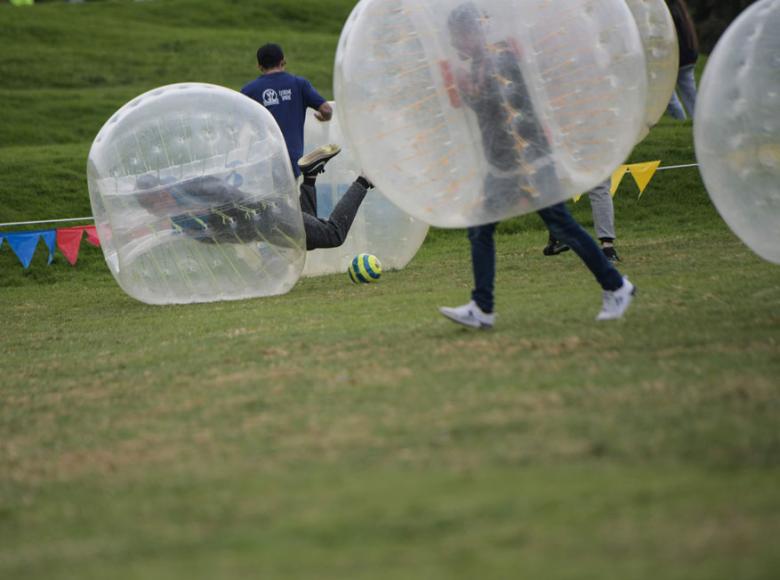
{"x":611,"y":253}
{"x":554,"y":247}
{"x":314,"y":163}
{"x":469,"y":315}
{"x":616,"y":302}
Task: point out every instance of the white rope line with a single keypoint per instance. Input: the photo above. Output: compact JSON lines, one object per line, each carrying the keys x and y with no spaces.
{"x":47,"y":222}
{"x":92,"y":218}
{"x":676,"y":166}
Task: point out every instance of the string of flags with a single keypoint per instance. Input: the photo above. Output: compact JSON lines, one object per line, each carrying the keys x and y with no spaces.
{"x":641,"y":172}
{"x":66,"y":240}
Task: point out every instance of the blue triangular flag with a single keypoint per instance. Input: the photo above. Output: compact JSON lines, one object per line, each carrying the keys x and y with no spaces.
{"x":23,"y":244}
{"x":50,"y":237}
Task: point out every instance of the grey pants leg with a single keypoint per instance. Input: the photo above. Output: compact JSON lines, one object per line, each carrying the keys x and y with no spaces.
{"x":603,"y":210}
{"x":308,"y":199}
{"x":332,"y":232}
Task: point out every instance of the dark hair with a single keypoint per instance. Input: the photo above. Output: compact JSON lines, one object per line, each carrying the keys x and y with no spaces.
{"x":269,"y":56}
{"x":686,"y":30}
{"x":464,"y":19}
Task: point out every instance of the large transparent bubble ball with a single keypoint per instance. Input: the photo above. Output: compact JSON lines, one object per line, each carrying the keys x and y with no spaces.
{"x":194,"y":197}
{"x":659,"y":40}
{"x":737,"y":128}
{"x":380,"y":227}
{"x":469,"y":112}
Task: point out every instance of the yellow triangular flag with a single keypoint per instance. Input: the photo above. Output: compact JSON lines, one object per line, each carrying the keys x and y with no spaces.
{"x":643,"y":173}
{"x":576,"y":198}
{"x":617,"y":177}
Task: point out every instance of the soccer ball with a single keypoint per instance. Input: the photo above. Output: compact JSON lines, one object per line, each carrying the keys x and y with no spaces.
{"x":364,"y":269}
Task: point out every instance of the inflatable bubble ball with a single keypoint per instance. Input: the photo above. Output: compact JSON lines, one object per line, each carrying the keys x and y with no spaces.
{"x":380,"y":227}
{"x":737,"y":128}
{"x":195,"y":199}
{"x":466,"y":112}
{"x":659,"y":40}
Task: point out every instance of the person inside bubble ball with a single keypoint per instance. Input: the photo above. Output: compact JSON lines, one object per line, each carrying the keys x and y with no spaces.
{"x":287,"y":97}
{"x":517,"y":152}
{"x":219,"y":212}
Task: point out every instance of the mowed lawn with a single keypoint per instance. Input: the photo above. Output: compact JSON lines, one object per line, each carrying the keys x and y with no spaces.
{"x":346,"y":431}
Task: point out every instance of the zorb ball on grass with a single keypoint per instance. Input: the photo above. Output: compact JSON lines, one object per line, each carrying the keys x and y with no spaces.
{"x":659,"y":40}
{"x":737,"y":128}
{"x":466,"y":112}
{"x":380,"y":227}
{"x":195,"y":199}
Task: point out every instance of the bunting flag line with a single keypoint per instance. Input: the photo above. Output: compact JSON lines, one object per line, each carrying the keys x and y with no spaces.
{"x":69,"y":243}
{"x":24,"y":244}
{"x":67,"y":240}
{"x":617,"y":177}
{"x":641,"y":172}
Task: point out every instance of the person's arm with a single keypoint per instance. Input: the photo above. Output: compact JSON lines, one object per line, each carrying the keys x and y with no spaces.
{"x":311,"y":98}
{"x":324,"y":113}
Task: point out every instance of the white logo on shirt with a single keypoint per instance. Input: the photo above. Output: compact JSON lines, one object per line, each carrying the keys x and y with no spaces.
{"x":270,"y":97}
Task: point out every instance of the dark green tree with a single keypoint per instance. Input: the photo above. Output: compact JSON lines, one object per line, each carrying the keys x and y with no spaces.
{"x":712,"y":17}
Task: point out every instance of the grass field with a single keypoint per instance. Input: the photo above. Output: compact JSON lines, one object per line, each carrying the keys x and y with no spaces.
{"x":350,"y":432}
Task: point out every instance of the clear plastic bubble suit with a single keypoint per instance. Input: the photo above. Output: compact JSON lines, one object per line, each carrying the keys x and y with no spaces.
{"x":737,"y":128}
{"x":380,"y":227}
{"x":469,"y":112}
{"x":194,"y":197}
{"x":659,"y":40}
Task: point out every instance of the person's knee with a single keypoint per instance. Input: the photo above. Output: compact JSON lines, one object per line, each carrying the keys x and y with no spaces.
{"x":559,"y":221}
{"x":333,"y":238}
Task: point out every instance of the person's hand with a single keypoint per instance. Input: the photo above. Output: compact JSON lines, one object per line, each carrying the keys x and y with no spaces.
{"x":324,"y":113}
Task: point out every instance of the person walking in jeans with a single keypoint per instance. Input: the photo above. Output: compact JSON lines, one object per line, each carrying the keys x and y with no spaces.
{"x":517,"y":152}
{"x":689,"y":54}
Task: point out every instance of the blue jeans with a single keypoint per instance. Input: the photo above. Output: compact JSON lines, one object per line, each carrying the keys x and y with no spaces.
{"x":563,"y":227}
{"x":686,"y":89}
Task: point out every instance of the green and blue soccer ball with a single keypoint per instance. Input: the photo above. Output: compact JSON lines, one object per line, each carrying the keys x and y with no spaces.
{"x":365,"y":269}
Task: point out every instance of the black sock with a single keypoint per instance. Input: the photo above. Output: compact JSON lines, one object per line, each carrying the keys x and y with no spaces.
{"x":364,"y":182}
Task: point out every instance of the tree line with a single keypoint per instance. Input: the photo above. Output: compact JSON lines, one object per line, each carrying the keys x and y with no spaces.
{"x":712,"y":17}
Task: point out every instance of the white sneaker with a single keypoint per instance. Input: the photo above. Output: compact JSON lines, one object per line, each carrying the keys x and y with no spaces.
{"x":469,"y":315}
{"x":616,"y":302}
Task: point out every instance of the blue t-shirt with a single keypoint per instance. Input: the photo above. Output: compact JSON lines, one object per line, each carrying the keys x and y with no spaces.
{"x":286,"y":97}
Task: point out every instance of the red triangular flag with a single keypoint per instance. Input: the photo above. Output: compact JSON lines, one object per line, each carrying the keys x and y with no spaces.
{"x":92,"y":237}
{"x":69,"y":243}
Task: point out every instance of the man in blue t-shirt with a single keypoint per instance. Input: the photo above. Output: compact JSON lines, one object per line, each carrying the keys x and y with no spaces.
{"x":287,"y":97}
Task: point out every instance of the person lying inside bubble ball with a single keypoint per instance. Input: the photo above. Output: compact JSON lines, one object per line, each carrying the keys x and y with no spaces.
{"x":520,"y":167}
{"x":224,"y":214}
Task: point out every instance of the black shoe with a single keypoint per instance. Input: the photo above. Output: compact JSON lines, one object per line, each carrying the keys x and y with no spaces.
{"x":554,"y":247}
{"x":611,"y":253}
{"x":313,"y":163}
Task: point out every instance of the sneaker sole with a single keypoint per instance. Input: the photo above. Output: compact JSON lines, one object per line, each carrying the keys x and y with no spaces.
{"x":319,"y":154}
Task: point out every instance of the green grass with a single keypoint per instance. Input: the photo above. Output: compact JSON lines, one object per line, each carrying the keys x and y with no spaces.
{"x":350,"y":432}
